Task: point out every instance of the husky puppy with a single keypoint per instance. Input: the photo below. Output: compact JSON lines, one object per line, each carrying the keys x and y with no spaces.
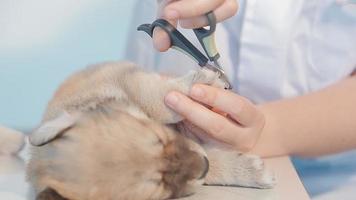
{"x":107,"y":134}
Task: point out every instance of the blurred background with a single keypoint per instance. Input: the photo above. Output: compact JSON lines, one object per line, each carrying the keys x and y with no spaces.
{"x":42,"y":42}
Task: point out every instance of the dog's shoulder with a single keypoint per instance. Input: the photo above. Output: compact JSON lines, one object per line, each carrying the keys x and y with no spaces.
{"x":91,"y":86}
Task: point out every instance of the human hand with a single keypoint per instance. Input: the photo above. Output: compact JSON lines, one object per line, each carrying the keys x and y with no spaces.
{"x":234,"y":120}
{"x":190,"y":14}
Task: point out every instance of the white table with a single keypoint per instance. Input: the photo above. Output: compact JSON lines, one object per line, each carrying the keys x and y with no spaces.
{"x":289,"y":187}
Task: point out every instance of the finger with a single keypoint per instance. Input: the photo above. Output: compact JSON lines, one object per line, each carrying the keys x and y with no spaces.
{"x":238,"y":107}
{"x":161,"y":40}
{"x":212,"y":123}
{"x":225,"y":11}
{"x":190,"y":8}
{"x":203,"y":137}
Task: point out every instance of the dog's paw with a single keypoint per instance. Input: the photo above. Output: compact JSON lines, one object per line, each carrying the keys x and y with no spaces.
{"x":237,"y":169}
{"x":259,"y":176}
{"x":209,"y":77}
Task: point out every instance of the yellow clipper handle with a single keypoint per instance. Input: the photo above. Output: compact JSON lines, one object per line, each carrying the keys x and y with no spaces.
{"x":206,"y":37}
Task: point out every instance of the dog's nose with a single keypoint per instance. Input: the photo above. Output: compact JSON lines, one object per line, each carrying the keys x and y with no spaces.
{"x":206,"y":168}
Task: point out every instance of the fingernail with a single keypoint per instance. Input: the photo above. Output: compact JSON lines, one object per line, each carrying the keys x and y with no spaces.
{"x":171,"y":14}
{"x":171,"y":99}
{"x":197,"y":92}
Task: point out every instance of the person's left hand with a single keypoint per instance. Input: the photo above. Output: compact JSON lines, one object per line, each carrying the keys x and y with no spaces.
{"x":233,"y":119}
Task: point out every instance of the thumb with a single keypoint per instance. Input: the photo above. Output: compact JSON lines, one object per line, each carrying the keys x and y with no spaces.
{"x":161,"y":40}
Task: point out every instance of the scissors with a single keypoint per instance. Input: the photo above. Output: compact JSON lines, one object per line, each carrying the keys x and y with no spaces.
{"x":182,"y":44}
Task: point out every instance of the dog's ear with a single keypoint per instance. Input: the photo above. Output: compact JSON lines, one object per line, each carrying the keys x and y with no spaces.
{"x":49,"y":194}
{"x":52,"y":129}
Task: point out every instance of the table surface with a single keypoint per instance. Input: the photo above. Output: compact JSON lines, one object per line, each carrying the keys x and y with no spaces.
{"x":14,"y":187}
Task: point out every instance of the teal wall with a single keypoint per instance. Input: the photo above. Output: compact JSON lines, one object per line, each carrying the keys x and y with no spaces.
{"x":42,"y":42}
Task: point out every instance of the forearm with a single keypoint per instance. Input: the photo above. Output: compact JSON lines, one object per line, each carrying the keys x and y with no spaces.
{"x":315,"y":124}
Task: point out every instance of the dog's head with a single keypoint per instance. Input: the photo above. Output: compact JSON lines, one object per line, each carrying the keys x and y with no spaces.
{"x":106,"y":154}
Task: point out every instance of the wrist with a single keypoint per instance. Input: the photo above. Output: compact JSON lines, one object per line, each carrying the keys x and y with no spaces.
{"x":270,"y":142}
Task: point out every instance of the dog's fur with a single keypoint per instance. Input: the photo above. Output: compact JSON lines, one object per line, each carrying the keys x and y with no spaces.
{"x":107,"y":134}
{"x":11,"y":141}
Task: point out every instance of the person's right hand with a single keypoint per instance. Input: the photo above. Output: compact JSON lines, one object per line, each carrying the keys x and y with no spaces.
{"x":233,"y":120}
{"x":190,"y":14}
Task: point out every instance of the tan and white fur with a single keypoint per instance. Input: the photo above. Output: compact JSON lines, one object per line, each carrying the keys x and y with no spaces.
{"x":11,"y":141}
{"x":107,"y":134}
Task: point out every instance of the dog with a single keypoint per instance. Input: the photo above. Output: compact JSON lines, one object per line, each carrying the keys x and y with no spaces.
{"x":107,"y":134}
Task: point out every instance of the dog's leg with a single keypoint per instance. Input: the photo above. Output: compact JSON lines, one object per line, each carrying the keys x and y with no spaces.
{"x":236,"y":169}
{"x":202,"y":75}
{"x":153,"y":88}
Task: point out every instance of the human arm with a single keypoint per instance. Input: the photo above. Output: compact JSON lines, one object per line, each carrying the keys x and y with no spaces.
{"x":318,"y":123}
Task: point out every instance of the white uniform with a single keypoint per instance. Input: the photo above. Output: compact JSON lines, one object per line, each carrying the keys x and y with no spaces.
{"x":270,"y":50}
